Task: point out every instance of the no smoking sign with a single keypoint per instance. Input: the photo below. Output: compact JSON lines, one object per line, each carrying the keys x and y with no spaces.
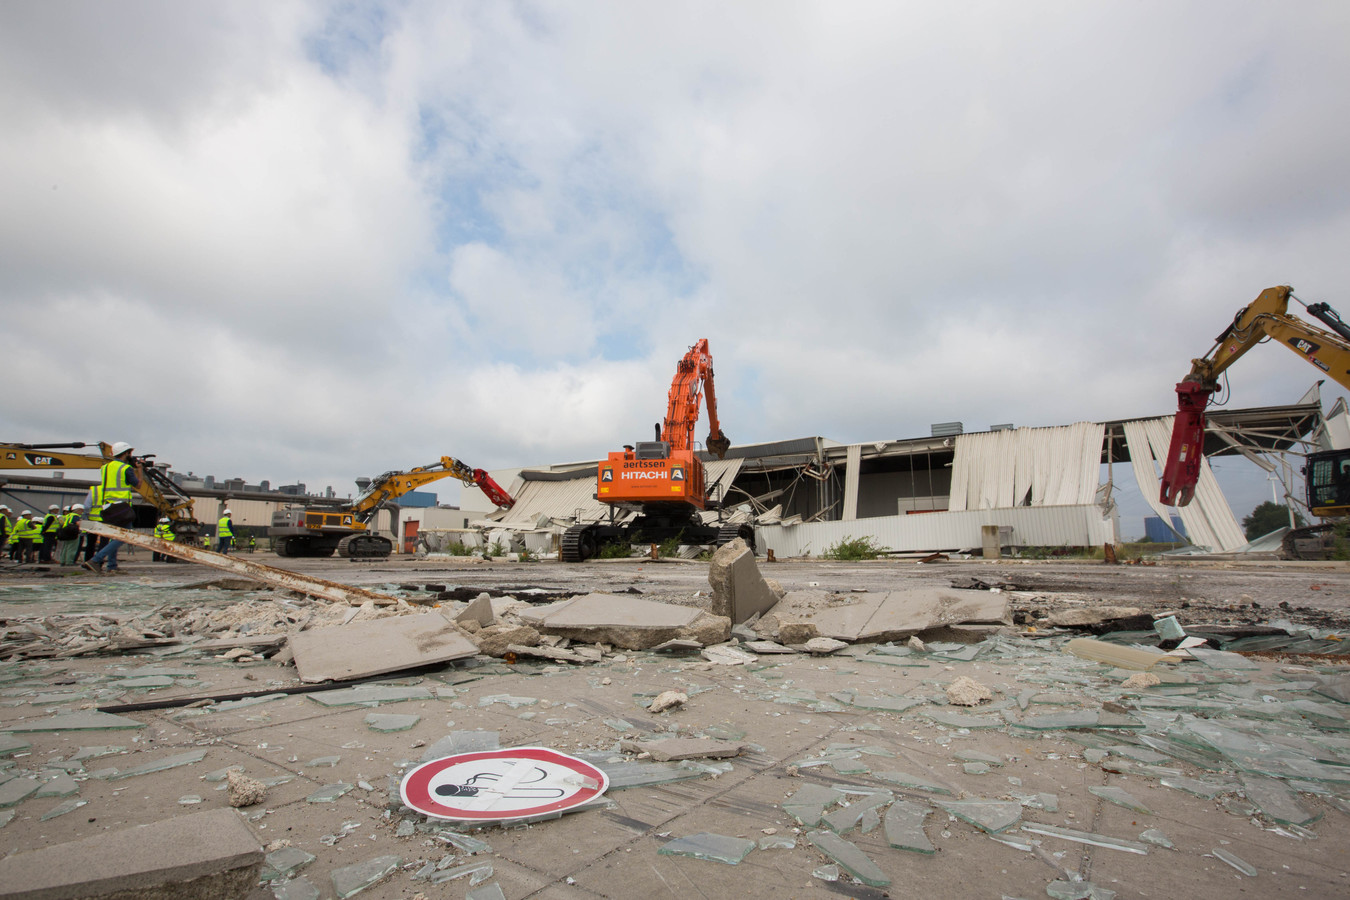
{"x":500,"y":785}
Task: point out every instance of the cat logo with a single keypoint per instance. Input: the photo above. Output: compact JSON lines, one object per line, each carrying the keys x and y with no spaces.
{"x":607,"y":475}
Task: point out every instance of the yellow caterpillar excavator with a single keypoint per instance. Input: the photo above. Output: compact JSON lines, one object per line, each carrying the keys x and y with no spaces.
{"x":1326,"y":474}
{"x":321,"y":530}
{"x":162,"y":498}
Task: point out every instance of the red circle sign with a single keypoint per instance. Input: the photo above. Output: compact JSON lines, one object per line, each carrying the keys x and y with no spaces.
{"x":498,"y":785}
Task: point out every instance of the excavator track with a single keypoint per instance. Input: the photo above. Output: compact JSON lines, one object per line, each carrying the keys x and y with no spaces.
{"x":1309,"y":542}
{"x":365,"y":546}
{"x":729,"y":532}
{"x":578,"y":543}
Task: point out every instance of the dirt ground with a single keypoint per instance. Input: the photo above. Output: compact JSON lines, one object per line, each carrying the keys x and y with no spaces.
{"x":805,"y":719}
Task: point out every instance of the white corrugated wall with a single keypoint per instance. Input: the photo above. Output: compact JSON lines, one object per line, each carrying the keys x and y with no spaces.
{"x":1082,"y":525}
{"x":1058,"y":466}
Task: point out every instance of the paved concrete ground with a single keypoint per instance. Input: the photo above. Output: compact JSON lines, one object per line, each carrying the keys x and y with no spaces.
{"x":794,"y":709}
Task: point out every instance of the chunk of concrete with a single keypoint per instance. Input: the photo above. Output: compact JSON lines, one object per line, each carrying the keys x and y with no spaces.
{"x":966,"y":691}
{"x":204,"y":856}
{"x":739,"y":592}
{"x":1117,"y":617}
{"x":628,"y":622}
{"x":496,"y":640}
{"x":668,"y":700}
{"x":479,"y":610}
{"x":344,"y":652}
{"x":823,"y":646}
{"x":893,"y":616}
{"x":797,"y":632}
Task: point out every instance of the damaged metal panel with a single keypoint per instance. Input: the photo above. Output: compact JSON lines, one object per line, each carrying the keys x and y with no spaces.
{"x":853,"y":463}
{"x":1042,"y":526}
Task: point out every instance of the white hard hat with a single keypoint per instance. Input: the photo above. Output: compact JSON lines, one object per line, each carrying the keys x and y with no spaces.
{"x":26,"y":512}
{"x":163,"y":519}
{"x":53,"y":506}
{"x":120,"y":447}
{"x":6,"y":508}
{"x":77,"y":506}
{"x":227,"y":513}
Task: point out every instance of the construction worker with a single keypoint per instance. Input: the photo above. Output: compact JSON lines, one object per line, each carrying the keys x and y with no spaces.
{"x":117,"y":478}
{"x":68,"y":535}
{"x":5,"y":525}
{"x":163,"y":531}
{"x":252,"y":543}
{"x":50,"y":523}
{"x":93,"y":506}
{"x":224,"y":533}
{"x":26,"y":533}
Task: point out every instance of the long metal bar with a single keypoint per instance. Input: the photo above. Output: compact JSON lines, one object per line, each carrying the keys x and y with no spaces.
{"x":291,"y":581}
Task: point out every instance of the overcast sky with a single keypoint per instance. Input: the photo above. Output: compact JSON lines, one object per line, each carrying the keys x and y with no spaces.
{"x":310,"y":241}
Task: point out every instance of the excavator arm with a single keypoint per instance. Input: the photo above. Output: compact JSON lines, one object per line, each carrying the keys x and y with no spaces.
{"x":392,"y":485}
{"x":1265,"y":317}
{"x":693,"y":379}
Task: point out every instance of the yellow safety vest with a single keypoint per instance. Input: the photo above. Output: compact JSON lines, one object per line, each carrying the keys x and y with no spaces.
{"x":114,"y":482}
{"x":69,"y":518}
{"x":95,"y":511}
{"x":4,"y":528}
{"x":50,"y":522}
{"x":164,"y":531}
{"x":31,"y":530}
{"x":223,"y":528}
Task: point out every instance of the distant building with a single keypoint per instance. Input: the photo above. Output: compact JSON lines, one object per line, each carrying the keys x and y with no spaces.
{"x":1156,"y":530}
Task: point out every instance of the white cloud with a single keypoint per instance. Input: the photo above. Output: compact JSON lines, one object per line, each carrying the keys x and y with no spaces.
{"x":490,"y":230}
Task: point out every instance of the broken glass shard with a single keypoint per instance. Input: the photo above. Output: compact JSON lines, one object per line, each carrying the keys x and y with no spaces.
{"x":1156,"y":837}
{"x":328,"y":793}
{"x":11,"y":744}
{"x":6,"y":817}
{"x":1235,"y":861}
{"x":351,"y":880}
{"x":718,"y":847}
{"x":60,"y":786}
{"x":61,"y":809}
{"x":463,"y":842}
{"x":159,"y":765}
{"x":145,"y":682}
{"x":462,"y":742}
{"x":1207,"y":790}
{"x":777,"y":842}
{"x":956,"y":720}
{"x":295,"y":889}
{"x":222,"y":774}
{"x":370,"y":695}
{"x":477,"y":873}
{"x":904,"y":827}
{"x":189,"y":800}
{"x":1277,"y":801}
{"x":327,"y":762}
{"x":1078,"y":890}
{"x":904,"y":779}
{"x":977,"y":756}
{"x":975,"y":768}
{"x":507,"y":700}
{"x":885,"y":704}
{"x":1222,"y":659}
{"x":284,"y":862}
{"x":95,"y":752}
{"x":389,"y":723}
{"x":1086,"y":837}
{"x":486,"y":892}
{"x":991,"y":816}
{"x":849,"y":857}
{"x":15,"y":790}
{"x":1120,"y":797}
{"x":808,"y":805}
{"x":86,"y":720}
{"x":849,"y":817}
{"x":828,"y":872}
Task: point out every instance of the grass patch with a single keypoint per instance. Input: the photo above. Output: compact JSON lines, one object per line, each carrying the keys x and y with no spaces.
{"x":851,"y":548}
{"x":617,"y":550}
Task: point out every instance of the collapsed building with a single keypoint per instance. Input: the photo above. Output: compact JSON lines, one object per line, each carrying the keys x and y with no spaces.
{"x":1043,"y":487}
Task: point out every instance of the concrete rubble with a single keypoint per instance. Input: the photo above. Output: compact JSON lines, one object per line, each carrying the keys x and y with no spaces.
{"x":926,"y":742}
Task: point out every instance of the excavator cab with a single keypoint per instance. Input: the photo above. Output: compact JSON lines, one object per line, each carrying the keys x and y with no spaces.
{"x":1327,"y":476}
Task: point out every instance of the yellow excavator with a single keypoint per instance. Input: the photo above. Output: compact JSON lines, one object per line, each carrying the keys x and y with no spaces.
{"x":1326,"y":473}
{"x":321,"y":530}
{"x":162,"y":497}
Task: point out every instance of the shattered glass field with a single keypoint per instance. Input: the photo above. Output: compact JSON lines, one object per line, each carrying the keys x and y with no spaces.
{"x":1099,"y":766}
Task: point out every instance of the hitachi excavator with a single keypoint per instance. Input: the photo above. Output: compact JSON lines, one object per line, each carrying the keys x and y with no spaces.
{"x":162,"y":498}
{"x":662,"y":480}
{"x":319,"y":531}
{"x":1326,"y":474}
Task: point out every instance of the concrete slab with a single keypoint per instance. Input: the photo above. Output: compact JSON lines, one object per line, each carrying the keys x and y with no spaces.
{"x":739,"y":591}
{"x":670,"y":749}
{"x":898,"y":614}
{"x":606,"y":610}
{"x":344,"y":652}
{"x":205,"y":855}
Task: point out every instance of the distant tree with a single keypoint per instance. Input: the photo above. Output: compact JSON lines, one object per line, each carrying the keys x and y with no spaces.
{"x":1266,"y":518}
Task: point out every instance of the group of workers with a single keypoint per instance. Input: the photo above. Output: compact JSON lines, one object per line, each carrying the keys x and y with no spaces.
{"x":27,"y":539}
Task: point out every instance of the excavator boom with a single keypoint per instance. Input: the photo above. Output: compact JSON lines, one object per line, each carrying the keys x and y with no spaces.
{"x":1265,"y":317}
{"x":693,"y":379}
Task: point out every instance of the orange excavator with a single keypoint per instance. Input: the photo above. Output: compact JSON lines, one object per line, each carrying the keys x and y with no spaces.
{"x":663,"y":481}
{"x":1327,"y":473}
